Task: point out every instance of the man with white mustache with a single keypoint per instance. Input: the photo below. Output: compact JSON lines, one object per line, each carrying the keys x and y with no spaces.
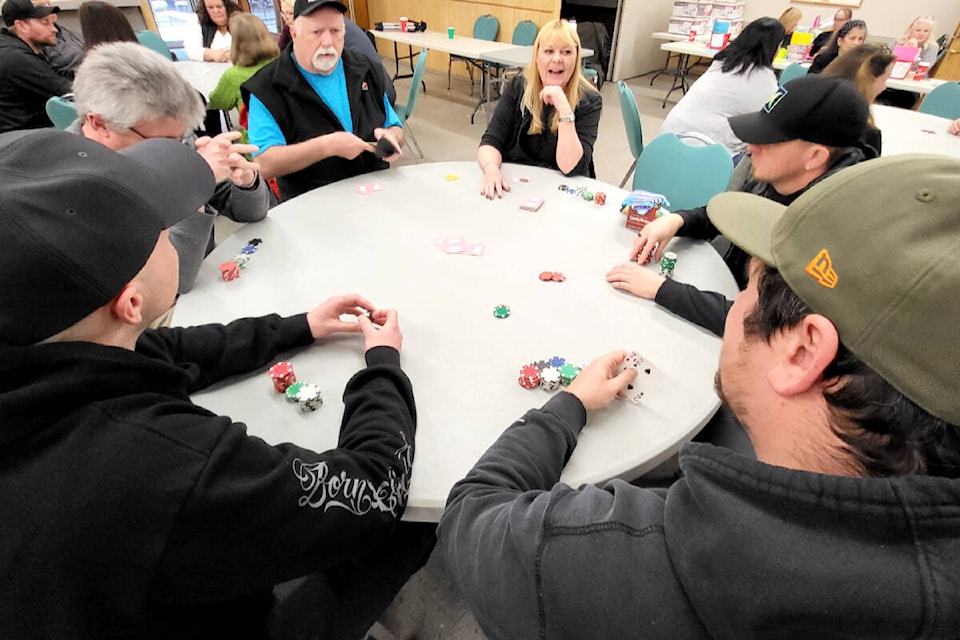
{"x":317,"y":111}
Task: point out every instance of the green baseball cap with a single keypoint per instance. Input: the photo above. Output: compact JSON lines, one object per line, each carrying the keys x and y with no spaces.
{"x":876,"y":249}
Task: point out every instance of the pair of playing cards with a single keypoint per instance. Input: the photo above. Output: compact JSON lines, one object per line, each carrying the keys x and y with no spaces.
{"x":460,"y":246}
{"x":650,"y":380}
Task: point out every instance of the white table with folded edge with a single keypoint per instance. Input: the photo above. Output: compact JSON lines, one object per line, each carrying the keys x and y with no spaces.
{"x":204,"y":76}
{"x":464,"y":363}
{"x":906,"y":131}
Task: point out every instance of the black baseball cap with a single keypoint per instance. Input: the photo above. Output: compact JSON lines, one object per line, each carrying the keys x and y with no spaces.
{"x":14,"y":10}
{"x":304,"y":7}
{"x":823,"y":109}
{"x":80,"y":221}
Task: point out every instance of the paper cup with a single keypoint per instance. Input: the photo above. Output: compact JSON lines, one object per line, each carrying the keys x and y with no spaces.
{"x":450,"y":32}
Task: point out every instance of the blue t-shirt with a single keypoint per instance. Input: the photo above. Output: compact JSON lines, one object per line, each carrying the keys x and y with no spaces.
{"x":264,"y":131}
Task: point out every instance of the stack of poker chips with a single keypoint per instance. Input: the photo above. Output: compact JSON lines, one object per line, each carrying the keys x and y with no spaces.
{"x":599,"y":197}
{"x":282,"y":375}
{"x":549,"y":375}
{"x":230,"y":270}
{"x":552,"y":276}
{"x":667,"y":264}
{"x":307,"y":396}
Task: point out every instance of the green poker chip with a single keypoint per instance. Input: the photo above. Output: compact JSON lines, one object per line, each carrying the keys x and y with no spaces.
{"x":501,"y":311}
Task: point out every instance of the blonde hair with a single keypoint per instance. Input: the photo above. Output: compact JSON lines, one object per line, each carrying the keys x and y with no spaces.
{"x":251,"y":43}
{"x":790,"y":19}
{"x":907,"y":34}
{"x":553,"y":31}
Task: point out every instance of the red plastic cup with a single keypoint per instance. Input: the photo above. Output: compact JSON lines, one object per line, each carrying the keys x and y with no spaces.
{"x":403,"y":24}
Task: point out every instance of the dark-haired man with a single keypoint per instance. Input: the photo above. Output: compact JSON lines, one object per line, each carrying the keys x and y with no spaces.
{"x":808,"y":130}
{"x":841,"y":360}
{"x":27,"y":80}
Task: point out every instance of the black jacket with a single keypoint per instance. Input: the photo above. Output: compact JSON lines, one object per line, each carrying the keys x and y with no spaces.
{"x":302,"y":115}
{"x":696,"y":223}
{"x":27,"y":81}
{"x":128,"y":511}
{"x":507,"y":131}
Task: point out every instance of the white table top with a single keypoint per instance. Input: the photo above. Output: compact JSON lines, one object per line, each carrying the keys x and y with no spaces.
{"x":439,"y":41}
{"x":517,"y":56}
{"x":204,"y":76}
{"x":906,"y":131}
{"x":666,"y":35}
{"x":464,"y":362}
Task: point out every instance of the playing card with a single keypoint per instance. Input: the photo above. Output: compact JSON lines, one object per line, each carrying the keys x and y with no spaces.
{"x":532,"y":203}
{"x":371,"y":187}
{"x":450,"y":245}
{"x":650,"y":379}
{"x":474,"y":249}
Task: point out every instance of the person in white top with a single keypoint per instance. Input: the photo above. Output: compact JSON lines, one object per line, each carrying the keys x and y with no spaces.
{"x":740,"y":80}
{"x":209,"y":40}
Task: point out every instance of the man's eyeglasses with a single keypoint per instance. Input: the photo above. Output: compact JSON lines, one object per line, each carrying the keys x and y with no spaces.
{"x":186,"y":140}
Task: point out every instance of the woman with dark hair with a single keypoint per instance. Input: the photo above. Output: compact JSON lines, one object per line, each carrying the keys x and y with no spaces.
{"x":211,"y":43}
{"x":740,"y":80}
{"x":840,"y":18}
{"x":867,"y":66}
{"x":102,"y":22}
{"x":850,"y":35}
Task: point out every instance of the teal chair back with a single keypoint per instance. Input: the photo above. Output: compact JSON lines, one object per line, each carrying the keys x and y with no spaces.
{"x":944,"y":101}
{"x":687,"y":175}
{"x":524,"y":34}
{"x":62,"y":111}
{"x":631,"y":122}
{"x":793,"y":70}
{"x":406,"y":110}
{"x":486,"y":27}
{"x":151,"y":40}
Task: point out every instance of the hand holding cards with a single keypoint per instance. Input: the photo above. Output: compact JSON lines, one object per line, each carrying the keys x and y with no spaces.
{"x":649,"y":381}
{"x":385,"y":148}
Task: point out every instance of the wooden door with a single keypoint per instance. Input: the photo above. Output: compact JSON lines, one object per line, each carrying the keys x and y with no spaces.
{"x":949,"y":66}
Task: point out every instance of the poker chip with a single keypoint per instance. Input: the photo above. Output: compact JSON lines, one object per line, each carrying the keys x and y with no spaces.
{"x":451,"y":177}
{"x":562,"y":187}
{"x":600,"y":198}
{"x":309,"y":397}
{"x":587,"y":195}
{"x":501,"y":311}
{"x":557,"y":362}
{"x":568,"y":372}
{"x":558,"y":277}
{"x":255,"y":242}
{"x":552,"y":276}
{"x":249,"y":249}
{"x":529,"y":376}
{"x":229,"y":270}
{"x":550,"y":379}
{"x":292,"y":391}
{"x":546,"y":276}
{"x":282,"y":375}
{"x":541,"y":364}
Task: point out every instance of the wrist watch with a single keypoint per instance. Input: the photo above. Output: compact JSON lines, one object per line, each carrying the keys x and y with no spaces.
{"x":568,"y":118}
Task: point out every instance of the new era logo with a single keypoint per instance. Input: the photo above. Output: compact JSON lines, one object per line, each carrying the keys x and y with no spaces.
{"x":821,"y":269}
{"x":775,"y":99}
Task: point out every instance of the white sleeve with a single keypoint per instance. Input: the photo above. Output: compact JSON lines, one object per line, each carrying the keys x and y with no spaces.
{"x":193,"y":42}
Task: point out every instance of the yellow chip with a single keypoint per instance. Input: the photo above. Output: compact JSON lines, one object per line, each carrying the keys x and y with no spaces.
{"x":452,"y":176}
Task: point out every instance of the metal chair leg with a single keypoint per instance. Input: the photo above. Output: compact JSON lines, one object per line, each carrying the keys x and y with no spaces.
{"x":629,"y":172}
{"x":408,"y":134}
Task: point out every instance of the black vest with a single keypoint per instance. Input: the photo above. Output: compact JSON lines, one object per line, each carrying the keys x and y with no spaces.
{"x":302,"y":115}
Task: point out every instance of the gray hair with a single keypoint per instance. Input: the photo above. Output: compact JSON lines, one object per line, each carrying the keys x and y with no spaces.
{"x":126,"y":83}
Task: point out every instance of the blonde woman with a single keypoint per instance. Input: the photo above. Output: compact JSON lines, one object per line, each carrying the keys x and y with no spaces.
{"x":920,"y":34}
{"x":789,"y":19}
{"x":253,"y":46}
{"x":535,"y":122}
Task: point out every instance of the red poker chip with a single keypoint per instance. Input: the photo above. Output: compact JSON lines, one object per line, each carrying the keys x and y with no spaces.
{"x":558,"y":277}
{"x":546,"y":276}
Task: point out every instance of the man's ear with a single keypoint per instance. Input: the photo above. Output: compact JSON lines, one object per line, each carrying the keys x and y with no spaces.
{"x":127,"y":306}
{"x":818,"y":156}
{"x":801,"y":355}
{"x":96,"y":122}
